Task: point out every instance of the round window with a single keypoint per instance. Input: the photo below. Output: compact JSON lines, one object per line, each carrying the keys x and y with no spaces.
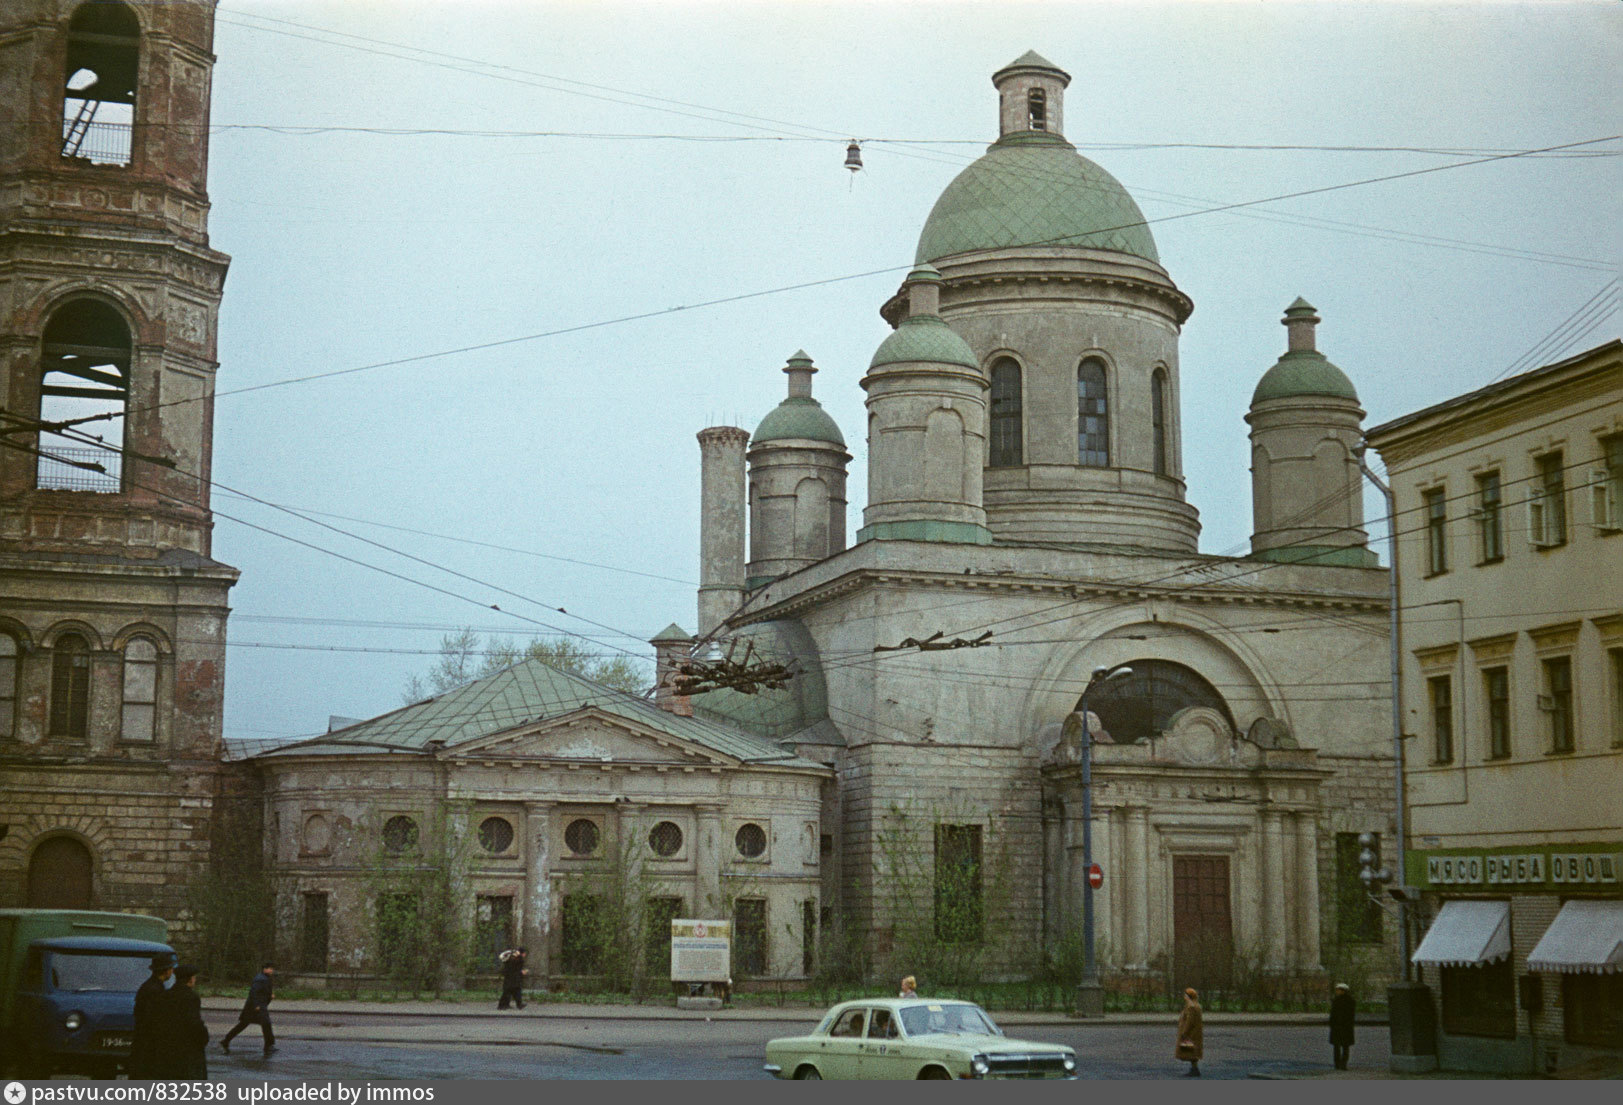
{"x":495,"y":834}
{"x":666,"y":838}
{"x":751,"y":840}
{"x":399,"y":835}
{"x":581,"y":836}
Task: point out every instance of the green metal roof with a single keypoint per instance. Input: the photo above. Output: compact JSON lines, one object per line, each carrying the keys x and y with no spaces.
{"x":1033,"y":188}
{"x":1031,"y":59}
{"x":671,"y":633}
{"x":924,"y":338}
{"x":1303,"y":372}
{"x":798,"y":706}
{"x":527,"y":692}
{"x":799,"y":416}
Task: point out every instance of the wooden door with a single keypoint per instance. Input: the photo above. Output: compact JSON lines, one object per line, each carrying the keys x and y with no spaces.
{"x":1203,"y":933}
{"x":59,"y":875}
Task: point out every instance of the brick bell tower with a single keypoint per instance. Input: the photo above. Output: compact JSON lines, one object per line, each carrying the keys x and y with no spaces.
{"x":112,"y":611}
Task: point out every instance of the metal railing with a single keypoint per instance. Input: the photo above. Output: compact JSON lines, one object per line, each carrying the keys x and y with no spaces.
{"x":55,"y":474}
{"x":101,"y":143}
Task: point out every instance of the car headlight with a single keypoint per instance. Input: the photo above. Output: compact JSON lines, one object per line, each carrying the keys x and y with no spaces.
{"x":73,"y":1020}
{"x":980,"y":1066}
{"x":1070,"y":1063}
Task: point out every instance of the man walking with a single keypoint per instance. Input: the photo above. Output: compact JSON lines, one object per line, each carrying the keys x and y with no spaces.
{"x":148,"y":1017}
{"x":183,"y":1037}
{"x":256,"y":1010}
{"x":1342,"y":1010}
{"x":513,"y":972}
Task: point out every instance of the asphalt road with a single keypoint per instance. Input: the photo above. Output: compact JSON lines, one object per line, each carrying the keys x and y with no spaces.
{"x":321,"y":1046}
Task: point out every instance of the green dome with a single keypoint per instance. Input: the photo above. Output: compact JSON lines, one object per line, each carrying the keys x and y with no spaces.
{"x":924,"y":338}
{"x":1033,"y":188}
{"x":1303,"y":372}
{"x":798,"y":417}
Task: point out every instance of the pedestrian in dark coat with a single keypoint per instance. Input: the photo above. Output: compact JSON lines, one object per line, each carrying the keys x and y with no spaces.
{"x":1191,"y":1036}
{"x":1342,"y":1009}
{"x":256,"y":1010}
{"x":513,"y":972}
{"x":182,"y":1035}
{"x":142,"y":1047}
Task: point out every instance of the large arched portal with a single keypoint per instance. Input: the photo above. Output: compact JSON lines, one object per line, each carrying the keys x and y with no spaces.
{"x":1141,"y":705}
{"x":59,"y":875}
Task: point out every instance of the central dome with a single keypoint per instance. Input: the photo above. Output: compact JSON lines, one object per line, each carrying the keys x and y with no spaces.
{"x":1034,"y":189}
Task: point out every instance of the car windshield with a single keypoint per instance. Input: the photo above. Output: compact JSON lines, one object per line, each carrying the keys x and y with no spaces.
{"x":82,"y":971}
{"x":948,"y":1019}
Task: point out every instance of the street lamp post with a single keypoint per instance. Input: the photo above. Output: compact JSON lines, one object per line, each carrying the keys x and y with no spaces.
{"x":1090,"y":995}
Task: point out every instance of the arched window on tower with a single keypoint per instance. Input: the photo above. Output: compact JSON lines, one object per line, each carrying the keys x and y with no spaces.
{"x":1158,"y":418}
{"x":1142,"y":704}
{"x":1037,"y":109}
{"x":1006,"y":448}
{"x":10,"y":654}
{"x":84,"y":380}
{"x":98,"y":96}
{"x":70,"y":687}
{"x":140,"y":690}
{"x":1092,"y":415}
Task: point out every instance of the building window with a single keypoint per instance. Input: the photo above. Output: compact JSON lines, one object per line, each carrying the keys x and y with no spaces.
{"x":313,"y":933}
{"x":1592,"y":1007}
{"x":1606,"y":486}
{"x":10,"y":655}
{"x":1440,"y":690}
{"x":582,"y":836}
{"x":808,"y":937}
{"x":580,"y":943}
{"x":493,"y":929}
{"x":1547,"y":506}
{"x":665,"y":839}
{"x":70,"y":687}
{"x":1480,"y":1000}
{"x":1007,"y":450}
{"x":98,"y":96}
{"x":84,"y":373}
{"x":1614,"y":657}
{"x":1490,"y":526}
{"x":749,"y":937}
{"x":1436,"y":504}
{"x":656,"y":924}
{"x":140,"y":690}
{"x":495,"y":835}
{"x":402,"y":947}
{"x":1496,"y":687}
{"x":399,"y":835}
{"x":958,"y":883}
{"x":1358,"y":916}
{"x":1158,"y":421}
{"x":1557,"y":702}
{"x":750,"y":840}
{"x":1092,"y":415}
{"x":1037,"y":109}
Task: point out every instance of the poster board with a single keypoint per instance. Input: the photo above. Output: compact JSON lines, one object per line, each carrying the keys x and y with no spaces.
{"x":701,"y":951}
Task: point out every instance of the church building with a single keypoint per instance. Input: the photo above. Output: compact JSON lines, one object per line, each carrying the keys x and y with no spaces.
{"x":1027,"y":541}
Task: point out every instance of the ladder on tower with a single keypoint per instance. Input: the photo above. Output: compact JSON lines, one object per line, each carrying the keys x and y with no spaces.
{"x":79,"y":127}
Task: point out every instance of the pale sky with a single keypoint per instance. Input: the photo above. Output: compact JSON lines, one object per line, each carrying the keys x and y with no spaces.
{"x":351,"y":248}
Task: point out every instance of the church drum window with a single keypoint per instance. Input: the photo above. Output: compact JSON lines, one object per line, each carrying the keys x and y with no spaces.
{"x":1158,"y":419}
{"x":10,"y":654}
{"x":1092,"y":415}
{"x":1141,"y":705}
{"x":1007,"y":450}
{"x":70,"y":687}
{"x":84,"y":375}
{"x":137,"y":723}
{"x":99,"y":85}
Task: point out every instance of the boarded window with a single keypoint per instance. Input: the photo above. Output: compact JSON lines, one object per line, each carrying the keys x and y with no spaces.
{"x":1006,"y":449}
{"x":1092,"y":415}
{"x":60,"y":875}
{"x":313,"y":933}
{"x":1358,"y":916}
{"x":958,"y":883}
{"x":70,"y":687}
{"x":749,"y":937}
{"x":139,"y":717}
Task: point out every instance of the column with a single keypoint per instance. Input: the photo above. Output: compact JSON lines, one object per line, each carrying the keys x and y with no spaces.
{"x":1120,"y":891}
{"x":1307,"y":891}
{"x":1150,"y":909}
{"x":707,"y":861}
{"x":1273,"y":898}
{"x":534,"y":921}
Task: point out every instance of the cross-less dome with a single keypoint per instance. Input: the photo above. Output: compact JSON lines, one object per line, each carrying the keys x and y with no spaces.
{"x":1303,"y":372}
{"x":802,"y":418}
{"x":1032,"y":188}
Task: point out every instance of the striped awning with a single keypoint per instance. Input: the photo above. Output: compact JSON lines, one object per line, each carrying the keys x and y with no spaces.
{"x":1465,"y":934}
{"x":1585,"y":937}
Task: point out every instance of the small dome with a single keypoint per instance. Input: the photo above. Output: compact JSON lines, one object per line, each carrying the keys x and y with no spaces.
{"x":799,"y":417}
{"x":1033,"y":189}
{"x":1303,"y":372}
{"x":924,"y":338}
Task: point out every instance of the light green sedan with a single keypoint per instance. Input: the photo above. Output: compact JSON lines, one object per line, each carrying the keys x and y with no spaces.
{"x":913,"y":1038}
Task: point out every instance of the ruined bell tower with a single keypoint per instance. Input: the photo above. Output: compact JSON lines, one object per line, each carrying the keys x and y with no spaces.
{"x":112,"y":610}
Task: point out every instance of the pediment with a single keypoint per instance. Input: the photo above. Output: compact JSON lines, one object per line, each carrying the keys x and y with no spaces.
{"x":590,"y":736}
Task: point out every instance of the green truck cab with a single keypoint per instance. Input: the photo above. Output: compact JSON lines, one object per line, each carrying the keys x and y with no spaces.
{"x":67,"y":988}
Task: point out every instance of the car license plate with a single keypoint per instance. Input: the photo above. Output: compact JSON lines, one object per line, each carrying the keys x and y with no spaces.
{"x":116,"y":1039}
